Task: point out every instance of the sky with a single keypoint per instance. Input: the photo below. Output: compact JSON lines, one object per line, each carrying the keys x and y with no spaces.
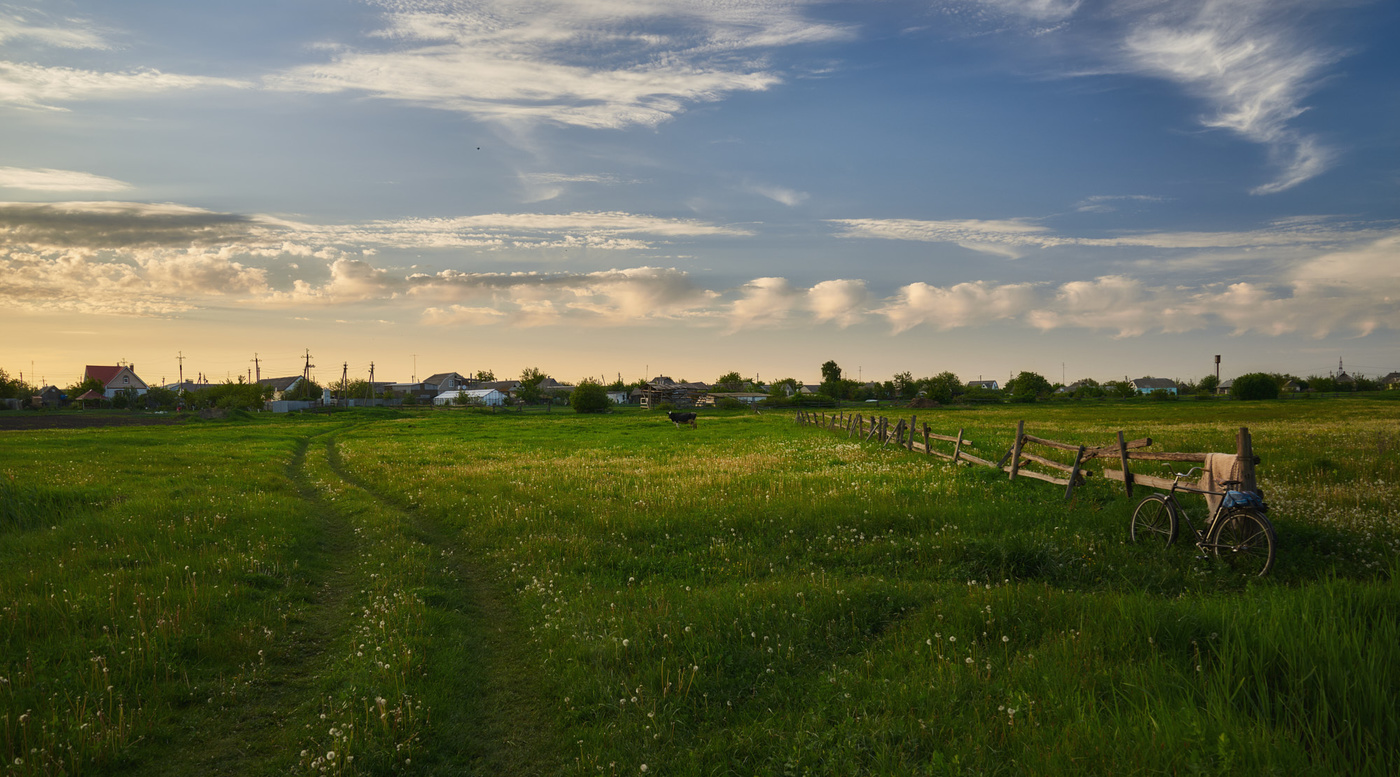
{"x":688,"y":187}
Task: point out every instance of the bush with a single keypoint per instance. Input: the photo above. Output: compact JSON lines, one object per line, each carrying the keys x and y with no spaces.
{"x":589,"y":396}
{"x":1255,"y":385}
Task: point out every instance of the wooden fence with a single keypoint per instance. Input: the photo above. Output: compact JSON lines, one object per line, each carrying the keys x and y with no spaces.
{"x":1017,"y":462}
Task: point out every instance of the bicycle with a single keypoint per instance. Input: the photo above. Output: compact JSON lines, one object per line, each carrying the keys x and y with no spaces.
{"x":1237,"y":532}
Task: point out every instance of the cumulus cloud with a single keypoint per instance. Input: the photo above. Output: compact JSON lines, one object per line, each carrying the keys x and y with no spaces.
{"x":843,"y":302}
{"x":763,"y":302}
{"x":616,"y":297}
{"x":965,"y":304}
{"x":598,"y":65}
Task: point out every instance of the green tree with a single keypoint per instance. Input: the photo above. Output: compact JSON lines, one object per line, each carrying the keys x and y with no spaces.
{"x":530,"y":380}
{"x":941,"y":388}
{"x":831,"y":372}
{"x":1028,"y":386}
{"x":781,"y":390}
{"x":84,"y":386}
{"x":161,"y":398}
{"x":304,"y":391}
{"x":1254,"y":385}
{"x":589,"y":396}
{"x":730,"y":381}
{"x":1207,"y":385}
{"x":486,"y":376}
{"x":904,"y":385}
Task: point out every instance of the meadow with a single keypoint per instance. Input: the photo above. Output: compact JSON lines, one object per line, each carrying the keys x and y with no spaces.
{"x":461,"y":592}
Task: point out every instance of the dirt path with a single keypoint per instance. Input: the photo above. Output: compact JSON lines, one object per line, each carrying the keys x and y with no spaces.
{"x":490,"y":713}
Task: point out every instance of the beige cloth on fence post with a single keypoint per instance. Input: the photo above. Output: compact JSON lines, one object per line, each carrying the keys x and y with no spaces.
{"x":1218,"y":467}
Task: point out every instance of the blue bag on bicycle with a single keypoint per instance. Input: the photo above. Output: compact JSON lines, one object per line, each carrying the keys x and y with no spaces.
{"x":1235,"y":500}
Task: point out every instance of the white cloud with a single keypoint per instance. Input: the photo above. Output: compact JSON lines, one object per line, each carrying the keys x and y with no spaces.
{"x":598,"y":65}
{"x":966,"y":304}
{"x":998,"y":237}
{"x":1105,"y":203}
{"x":611,"y":297}
{"x":1252,"y":62}
{"x":844,"y":302}
{"x":1009,"y":237}
{"x":788,"y":197}
{"x":15,"y":26}
{"x":47,"y":179}
{"x":763,"y":302}
{"x":34,"y":86}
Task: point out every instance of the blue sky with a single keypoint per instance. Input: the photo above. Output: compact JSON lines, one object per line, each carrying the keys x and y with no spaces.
{"x":1082,"y":189}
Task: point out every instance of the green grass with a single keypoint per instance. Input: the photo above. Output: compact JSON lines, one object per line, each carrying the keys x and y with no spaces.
{"x":566,"y":594}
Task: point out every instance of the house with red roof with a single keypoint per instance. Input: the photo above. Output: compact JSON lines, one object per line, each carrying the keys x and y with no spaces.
{"x":115,"y":379}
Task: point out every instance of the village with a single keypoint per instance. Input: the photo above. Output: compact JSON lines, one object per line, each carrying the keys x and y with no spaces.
{"x":119,"y":386}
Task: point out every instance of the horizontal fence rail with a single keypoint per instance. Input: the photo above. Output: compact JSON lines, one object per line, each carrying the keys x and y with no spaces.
{"x":920,"y":438}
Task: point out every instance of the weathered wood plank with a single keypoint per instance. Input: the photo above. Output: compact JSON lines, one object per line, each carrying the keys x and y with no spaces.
{"x":976,"y":460}
{"x":1016,"y":449}
{"x":1138,"y":479}
{"x":1028,"y":456}
{"x":1123,"y":456}
{"x":1032,"y":474}
{"x":1074,"y":473}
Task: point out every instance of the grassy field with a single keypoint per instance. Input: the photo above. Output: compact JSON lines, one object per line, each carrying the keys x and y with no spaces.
{"x":457,"y":592}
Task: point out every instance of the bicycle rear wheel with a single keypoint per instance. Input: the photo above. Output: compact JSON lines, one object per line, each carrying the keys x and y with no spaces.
{"x":1245,"y":541}
{"x":1154,"y":521}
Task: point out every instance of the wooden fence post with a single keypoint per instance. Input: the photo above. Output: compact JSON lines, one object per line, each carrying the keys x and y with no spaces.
{"x":913,"y":424}
{"x":957,"y":447}
{"x":1244,"y":451}
{"x":1074,"y":473}
{"x":1016,"y":449}
{"x":928,"y":449}
{"x":1123,"y":457}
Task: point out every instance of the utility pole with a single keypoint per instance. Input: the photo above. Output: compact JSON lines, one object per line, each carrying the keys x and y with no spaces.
{"x":257,"y":366}
{"x":369,"y":391}
{"x":415,"y":368}
{"x":180,"y":357}
{"x":344,"y":382}
{"x":306,"y":371}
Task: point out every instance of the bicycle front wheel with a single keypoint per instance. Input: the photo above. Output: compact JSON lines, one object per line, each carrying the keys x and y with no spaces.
{"x":1154,"y":521}
{"x":1245,"y":541}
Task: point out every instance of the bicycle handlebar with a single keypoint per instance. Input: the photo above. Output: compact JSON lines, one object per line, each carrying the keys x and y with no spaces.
{"x":1188,"y":473}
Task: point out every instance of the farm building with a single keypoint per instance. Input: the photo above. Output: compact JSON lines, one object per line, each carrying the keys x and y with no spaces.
{"x":1149,"y":385}
{"x":115,"y":379}
{"x":489,"y":397}
{"x":281,"y":386}
{"x":747,"y":397}
{"x":661,"y":390}
{"x":448,"y":381}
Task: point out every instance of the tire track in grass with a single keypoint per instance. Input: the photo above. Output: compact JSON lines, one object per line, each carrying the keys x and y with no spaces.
{"x":489,"y":713}
{"x":254,"y":734}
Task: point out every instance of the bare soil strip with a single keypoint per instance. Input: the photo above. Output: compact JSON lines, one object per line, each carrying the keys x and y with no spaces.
{"x":489,"y":712}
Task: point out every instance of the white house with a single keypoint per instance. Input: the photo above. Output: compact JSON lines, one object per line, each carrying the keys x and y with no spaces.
{"x":488,"y":397}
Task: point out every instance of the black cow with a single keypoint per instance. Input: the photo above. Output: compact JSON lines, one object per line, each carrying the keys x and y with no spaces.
{"x":682,"y":418}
